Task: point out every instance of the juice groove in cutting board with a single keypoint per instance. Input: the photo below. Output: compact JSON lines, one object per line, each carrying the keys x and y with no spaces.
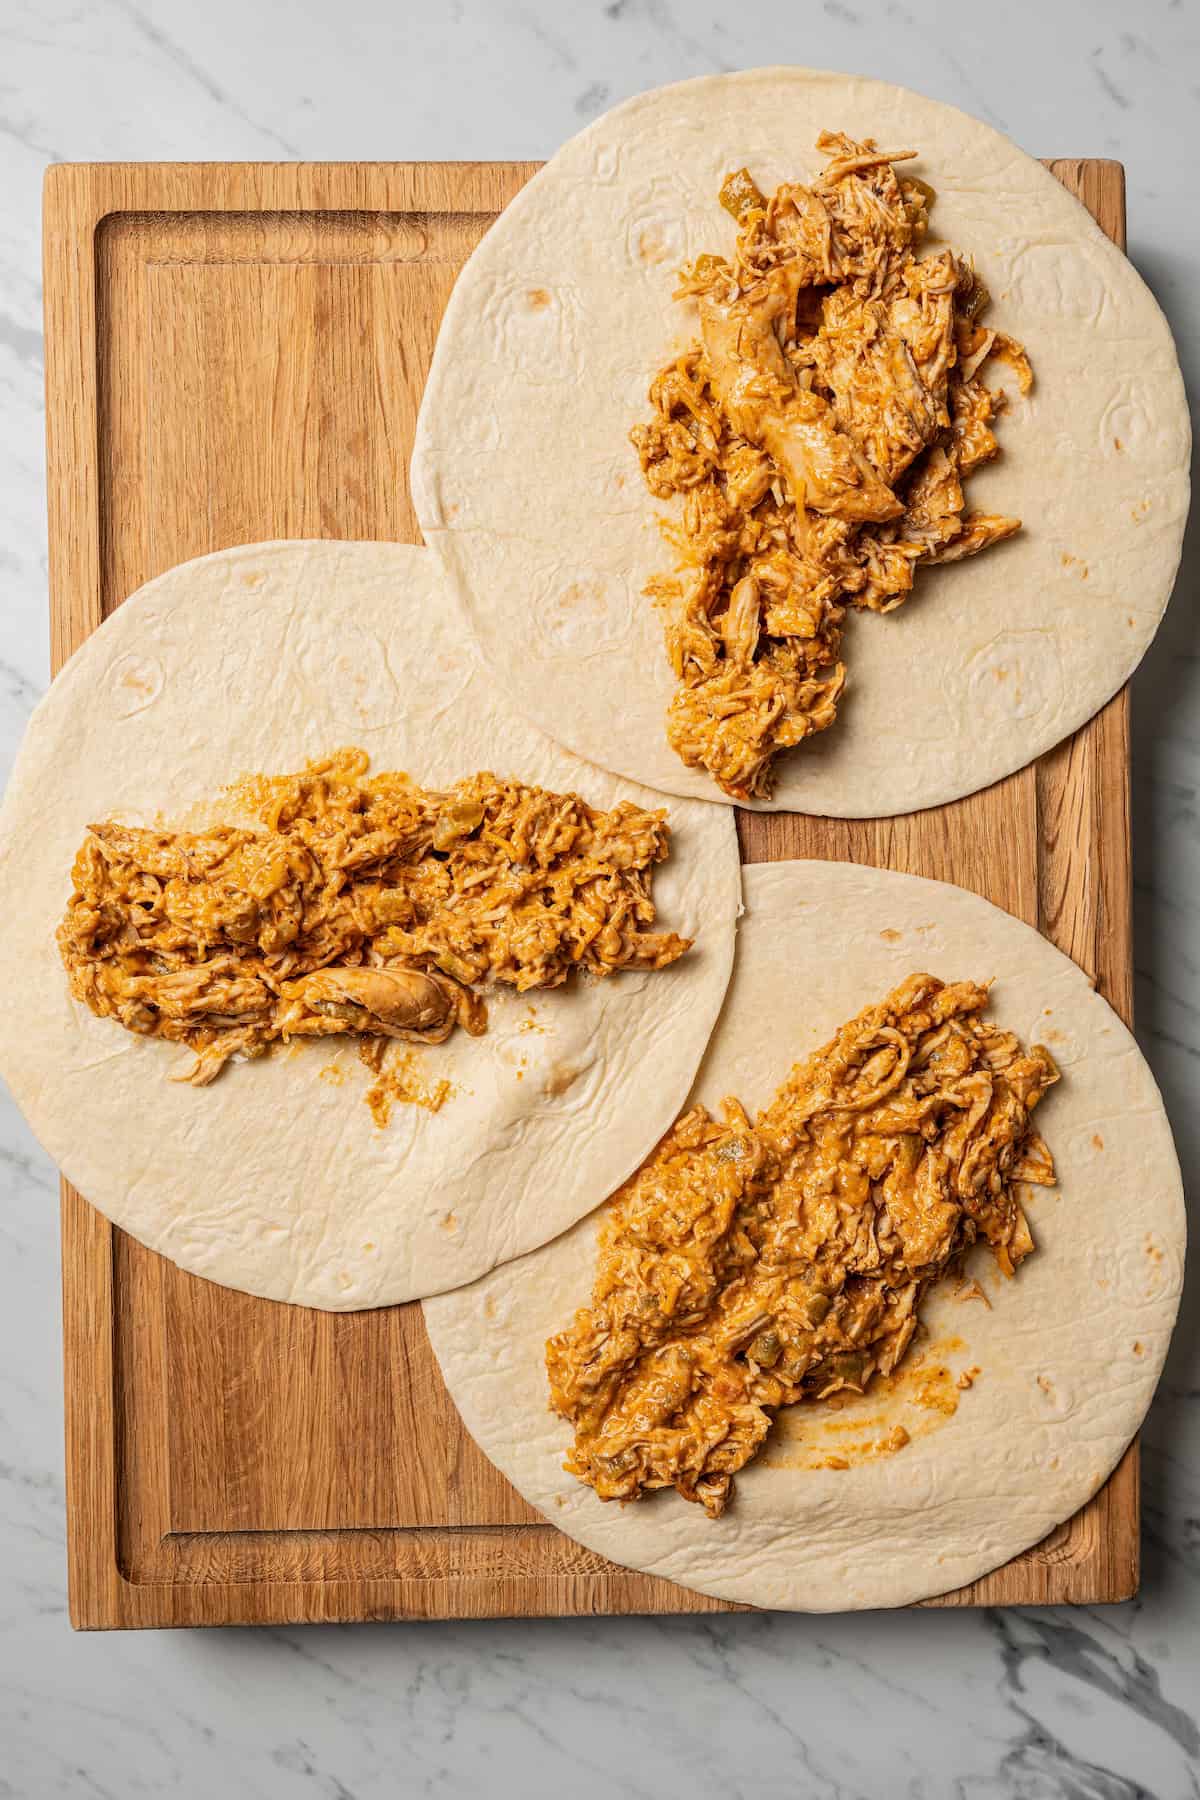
{"x":237,"y":353}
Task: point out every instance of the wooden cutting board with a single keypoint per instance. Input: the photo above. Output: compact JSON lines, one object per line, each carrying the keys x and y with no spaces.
{"x":237,"y":353}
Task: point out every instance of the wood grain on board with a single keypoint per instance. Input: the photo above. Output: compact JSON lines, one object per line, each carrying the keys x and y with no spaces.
{"x":237,"y":353}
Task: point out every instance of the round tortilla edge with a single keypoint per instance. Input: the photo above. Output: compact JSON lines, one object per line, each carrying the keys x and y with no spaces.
{"x":276,"y":1179}
{"x":1068,"y":1352}
{"x":1095,"y":461}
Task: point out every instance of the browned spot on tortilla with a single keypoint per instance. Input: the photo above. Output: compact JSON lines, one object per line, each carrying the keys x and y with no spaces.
{"x":489,"y":1307}
{"x":1139,"y":1349}
{"x":1054,"y":1037}
{"x":1097,"y":1141}
{"x":1153,"y":1251}
{"x":333,"y":1073}
{"x":1045,"y":1383}
{"x":450,"y":1223}
{"x":1117,"y":444}
{"x":891,"y":937}
{"x":538,"y":299}
{"x":559,"y":1080}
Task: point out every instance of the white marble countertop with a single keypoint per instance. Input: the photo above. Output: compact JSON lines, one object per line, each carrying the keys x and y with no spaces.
{"x":1095,"y":1704}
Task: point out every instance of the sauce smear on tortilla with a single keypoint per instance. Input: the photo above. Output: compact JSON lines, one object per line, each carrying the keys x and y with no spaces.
{"x":750,"y":1265}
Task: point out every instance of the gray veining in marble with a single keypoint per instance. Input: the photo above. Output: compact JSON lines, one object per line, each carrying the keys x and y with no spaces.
{"x":1097,"y":1704}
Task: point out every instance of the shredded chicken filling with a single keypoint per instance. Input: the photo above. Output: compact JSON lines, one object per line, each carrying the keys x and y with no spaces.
{"x":355,"y":905}
{"x":819,"y":434}
{"x":748,"y":1266}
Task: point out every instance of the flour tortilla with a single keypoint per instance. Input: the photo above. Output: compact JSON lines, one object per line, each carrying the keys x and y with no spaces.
{"x":273,"y":1179}
{"x":1068,"y":1355}
{"x":528,"y":490}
